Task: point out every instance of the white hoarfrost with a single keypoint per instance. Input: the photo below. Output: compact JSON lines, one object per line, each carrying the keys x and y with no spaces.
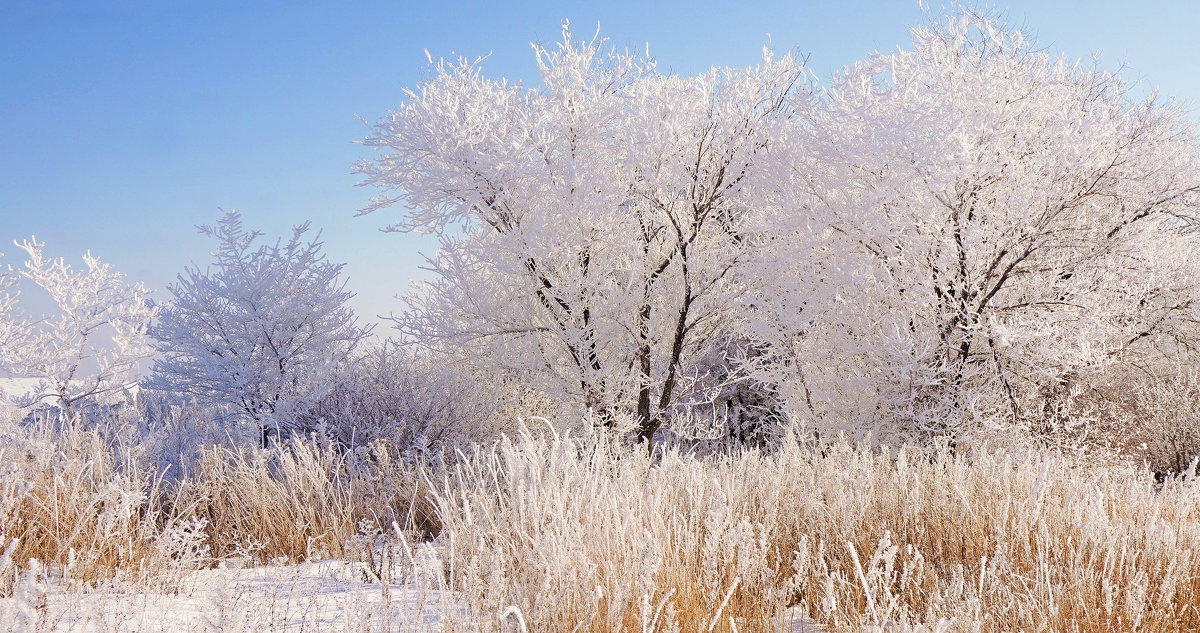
{"x":265,"y":329}
{"x":950,"y":235}
{"x":612,"y":218}
{"x":996,"y":229}
{"x":89,"y":345}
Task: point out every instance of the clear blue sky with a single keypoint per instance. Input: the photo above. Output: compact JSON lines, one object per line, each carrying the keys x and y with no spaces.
{"x":125,"y":124}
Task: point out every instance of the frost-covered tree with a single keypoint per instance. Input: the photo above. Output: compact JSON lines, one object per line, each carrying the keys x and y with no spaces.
{"x":12,"y":326}
{"x":609,"y":217}
{"x":966,"y":231}
{"x":998,"y":224}
{"x":264,"y":328}
{"x":91,"y":341}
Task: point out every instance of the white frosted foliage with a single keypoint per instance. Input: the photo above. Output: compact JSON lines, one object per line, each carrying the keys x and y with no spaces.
{"x":611,"y":218}
{"x":265,"y":329}
{"x":90,"y":342}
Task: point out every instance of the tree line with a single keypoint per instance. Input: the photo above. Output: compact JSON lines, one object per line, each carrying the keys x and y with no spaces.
{"x":964,"y":235}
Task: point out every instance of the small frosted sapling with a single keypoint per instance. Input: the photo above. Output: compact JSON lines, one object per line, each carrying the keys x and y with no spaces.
{"x":264,"y":329}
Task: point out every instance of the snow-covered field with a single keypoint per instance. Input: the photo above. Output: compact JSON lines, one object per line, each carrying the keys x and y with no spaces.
{"x":316,"y":596}
{"x":14,"y":387}
{"x":324,"y":596}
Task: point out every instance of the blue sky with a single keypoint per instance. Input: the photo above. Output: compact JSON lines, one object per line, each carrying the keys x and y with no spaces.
{"x":125,"y":124}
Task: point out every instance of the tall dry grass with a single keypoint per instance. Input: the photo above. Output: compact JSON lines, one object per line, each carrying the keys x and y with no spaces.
{"x":584,"y":536}
{"x":304,"y":498}
{"x":559,"y":534}
{"x":91,"y":504}
{"x":82,"y":504}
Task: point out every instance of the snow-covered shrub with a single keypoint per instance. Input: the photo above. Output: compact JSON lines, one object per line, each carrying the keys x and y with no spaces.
{"x":180,"y":547}
{"x":1153,"y":417}
{"x":409,"y":400}
{"x":174,"y":429}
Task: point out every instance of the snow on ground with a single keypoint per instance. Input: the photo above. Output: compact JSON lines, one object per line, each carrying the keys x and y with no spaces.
{"x":319,"y":597}
{"x":14,"y":387}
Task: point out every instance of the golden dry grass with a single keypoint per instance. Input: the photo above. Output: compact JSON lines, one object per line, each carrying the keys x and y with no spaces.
{"x":581,"y":536}
{"x":90,"y":509}
{"x":85,"y":507}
